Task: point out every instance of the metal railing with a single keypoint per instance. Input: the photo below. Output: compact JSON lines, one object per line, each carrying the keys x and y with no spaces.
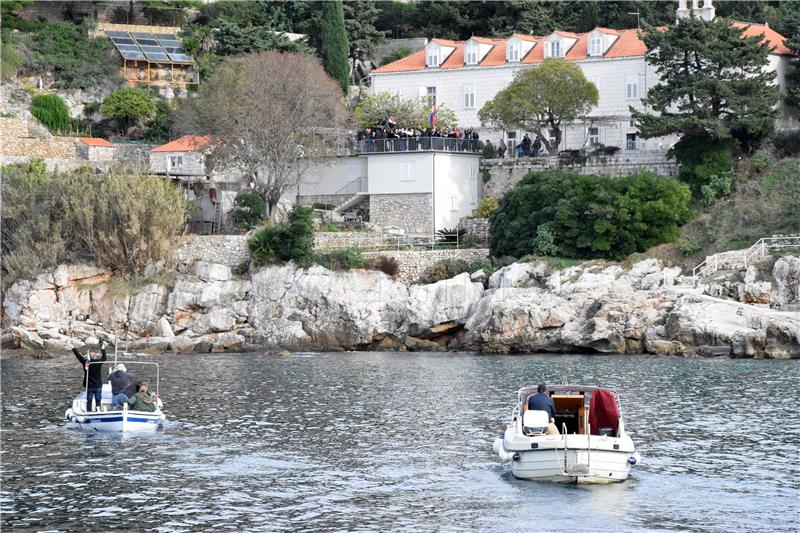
{"x":419,"y":144}
{"x":759,"y":249}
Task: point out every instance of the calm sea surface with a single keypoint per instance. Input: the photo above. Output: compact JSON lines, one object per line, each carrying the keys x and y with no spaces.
{"x":398,"y":442}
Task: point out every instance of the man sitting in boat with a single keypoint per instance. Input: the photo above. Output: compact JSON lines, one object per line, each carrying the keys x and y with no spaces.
{"x":93,"y":373}
{"x":541,"y":401}
{"x":121,"y":381}
{"x":143,"y":400}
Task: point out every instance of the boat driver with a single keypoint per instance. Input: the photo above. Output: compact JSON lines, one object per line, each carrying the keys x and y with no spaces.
{"x":541,"y":401}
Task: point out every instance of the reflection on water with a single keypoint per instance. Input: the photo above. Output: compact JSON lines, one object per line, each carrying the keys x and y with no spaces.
{"x":398,"y":442}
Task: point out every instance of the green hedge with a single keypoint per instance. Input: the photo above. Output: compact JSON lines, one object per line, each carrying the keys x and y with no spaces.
{"x":286,"y":241}
{"x":589,"y":216}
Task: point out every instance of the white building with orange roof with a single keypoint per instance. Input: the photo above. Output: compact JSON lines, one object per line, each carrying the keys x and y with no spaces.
{"x":464,"y":75}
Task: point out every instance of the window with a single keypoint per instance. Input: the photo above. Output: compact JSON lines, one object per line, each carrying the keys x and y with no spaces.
{"x":408,"y":171}
{"x":469,"y":96}
{"x":433,"y":58}
{"x":596,"y":46}
{"x":471,"y":55}
{"x":551,"y":135}
{"x":511,"y":138}
{"x":555,"y":48}
{"x":175,"y":161}
{"x":430,"y":94}
{"x":594,"y":135}
{"x":631,"y":141}
{"x":632,"y":86}
{"x":513,"y":52}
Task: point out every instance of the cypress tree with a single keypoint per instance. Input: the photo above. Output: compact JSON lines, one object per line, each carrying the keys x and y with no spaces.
{"x":335,"y":49}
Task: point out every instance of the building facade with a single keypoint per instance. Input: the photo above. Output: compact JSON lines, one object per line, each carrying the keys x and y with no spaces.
{"x":464,"y":75}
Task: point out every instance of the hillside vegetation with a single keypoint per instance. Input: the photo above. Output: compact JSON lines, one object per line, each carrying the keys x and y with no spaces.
{"x":764,"y":200}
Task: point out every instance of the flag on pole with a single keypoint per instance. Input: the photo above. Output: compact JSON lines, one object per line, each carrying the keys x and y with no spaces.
{"x":432,"y":118}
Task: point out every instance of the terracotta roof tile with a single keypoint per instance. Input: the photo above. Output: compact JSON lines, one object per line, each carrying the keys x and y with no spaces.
{"x":536,"y":54}
{"x":482,"y":40}
{"x":96,"y":141}
{"x":770,"y":36}
{"x":415,"y":61}
{"x":187,"y":143}
{"x":579,"y":50}
{"x":523,"y":37}
{"x":496,"y":56}
{"x":606,"y":30}
{"x":627,"y":44}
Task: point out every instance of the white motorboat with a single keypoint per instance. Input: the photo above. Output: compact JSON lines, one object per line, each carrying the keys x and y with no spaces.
{"x":591,"y":445}
{"x":107,"y":419}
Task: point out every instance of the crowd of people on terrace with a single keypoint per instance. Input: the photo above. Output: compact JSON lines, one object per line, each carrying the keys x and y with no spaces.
{"x":391,"y":137}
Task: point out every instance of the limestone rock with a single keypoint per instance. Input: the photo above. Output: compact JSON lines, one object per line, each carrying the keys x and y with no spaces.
{"x":444,"y":301}
{"x":27,"y":339}
{"x":518,"y":275}
{"x":215,"y":321}
{"x":163,"y":328}
{"x":147,"y":307}
{"x":787,"y":281}
{"x":212,"y":271}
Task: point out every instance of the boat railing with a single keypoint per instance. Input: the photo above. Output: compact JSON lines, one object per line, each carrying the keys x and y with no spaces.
{"x":115,"y":363}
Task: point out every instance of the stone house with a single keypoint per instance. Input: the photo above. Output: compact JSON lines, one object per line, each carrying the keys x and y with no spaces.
{"x":94,"y":149}
{"x":464,"y":75}
{"x":213,"y":192}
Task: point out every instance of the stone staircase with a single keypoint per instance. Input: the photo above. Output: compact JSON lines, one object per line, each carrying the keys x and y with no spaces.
{"x":736,"y":259}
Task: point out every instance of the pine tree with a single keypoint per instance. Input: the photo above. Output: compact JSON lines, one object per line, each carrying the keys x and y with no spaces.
{"x":360,"y":17}
{"x":335,"y":48}
{"x":713,"y":84}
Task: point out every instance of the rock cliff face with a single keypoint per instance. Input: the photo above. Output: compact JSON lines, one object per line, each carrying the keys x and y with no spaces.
{"x":521,"y":308}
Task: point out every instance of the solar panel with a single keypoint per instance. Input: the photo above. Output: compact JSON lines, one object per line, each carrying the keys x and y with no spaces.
{"x":162,"y":48}
{"x":156,"y":57}
{"x":181,"y":58}
{"x":132,"y":55}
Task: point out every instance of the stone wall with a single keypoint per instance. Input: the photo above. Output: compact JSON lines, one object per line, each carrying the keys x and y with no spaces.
{"x":506,"y":173}
{"x":476,"y":227}
{"x":13,"y":149}
{"x":414,"y":263}
{"x":11,"y":127}
{"x":412,"y":212}
{"x":230,"y":250}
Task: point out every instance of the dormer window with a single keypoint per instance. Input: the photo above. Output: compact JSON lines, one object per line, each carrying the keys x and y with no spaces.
{"x":596,"y":46}
{"x":433,"y":58}
{"x":471,"y":55}
{"x":555,"y":49}
{"x":513,"y":52}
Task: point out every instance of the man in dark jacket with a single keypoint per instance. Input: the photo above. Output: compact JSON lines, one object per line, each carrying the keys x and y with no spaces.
{"x":541,"y":401}
{"x":92,"y":374}
{"x":120,"y":381}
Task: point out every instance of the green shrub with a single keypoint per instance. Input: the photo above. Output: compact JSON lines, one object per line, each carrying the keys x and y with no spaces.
{"x":486,"y":175}
{"x":489,"y":151}
{"x":286,"y":241}
{"x":322,"y":206}
{"x":116,"y":220}
{"x":346,"y":259}
{"x":387,"y":265}
{"x":330,"y":228}
{"x":10,"y":59}
{"x":689,"y":247}
{"x":487,"y":206}
{"x":590,"y":216}
{"x":700,"y":158}
{"x":762,"y":160}
{"x":249,"y":211}
{"x":64,"y":51}
{"x":51,"y":111}
{"x":481,"y":264}
{"x":127,"y":106}
{"x":544,"y":244}
{"x":717,"y":187}
{"x":787,"y":144}
{"x":444,"y":269}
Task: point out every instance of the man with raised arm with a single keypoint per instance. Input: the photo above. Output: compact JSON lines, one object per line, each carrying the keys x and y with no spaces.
{"x":93,"y":375}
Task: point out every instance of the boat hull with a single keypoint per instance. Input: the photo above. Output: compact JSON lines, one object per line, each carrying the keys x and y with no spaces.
{"x":108,"y":421}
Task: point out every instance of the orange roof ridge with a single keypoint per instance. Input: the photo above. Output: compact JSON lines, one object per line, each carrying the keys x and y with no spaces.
{"x":187,"y":143}
{"x":484,"y":40}
{"x":566,"y":33}
{"x":96,"y":141}
{"x":524,"y":37}
{"x":607,"y":30}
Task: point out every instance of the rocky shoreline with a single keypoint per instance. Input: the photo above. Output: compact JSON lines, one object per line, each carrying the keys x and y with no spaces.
{"x":524,"y":307}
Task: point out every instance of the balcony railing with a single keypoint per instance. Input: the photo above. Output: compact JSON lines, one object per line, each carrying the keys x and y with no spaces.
{"x":419,"y":144}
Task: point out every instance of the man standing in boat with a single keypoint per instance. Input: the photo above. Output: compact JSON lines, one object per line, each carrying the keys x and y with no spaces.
{"x":92,"y":374}
{"x":541,"y":401}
